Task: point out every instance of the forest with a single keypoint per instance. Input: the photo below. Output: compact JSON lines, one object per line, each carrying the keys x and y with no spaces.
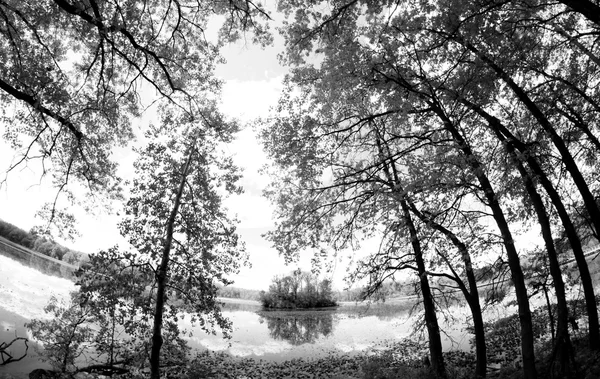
{"x":452,"y":142}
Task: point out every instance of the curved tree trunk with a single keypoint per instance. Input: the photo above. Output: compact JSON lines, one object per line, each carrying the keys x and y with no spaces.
{"x":586,"y":279}
{"x":471,"y":294}
{"x":562,"y":347}
{"x":433,"y":329}
{"x":431,"y":322}
{"x":479,"y":329}
{"x":527,"y":340}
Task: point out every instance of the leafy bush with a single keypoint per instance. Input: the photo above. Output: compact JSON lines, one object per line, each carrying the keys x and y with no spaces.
{"x":65,"y":335}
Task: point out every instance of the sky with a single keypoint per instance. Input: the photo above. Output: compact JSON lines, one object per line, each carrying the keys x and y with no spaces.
{"x":252,"y":82}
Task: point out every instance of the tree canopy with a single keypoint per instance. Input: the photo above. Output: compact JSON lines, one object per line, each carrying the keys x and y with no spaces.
{"x":433,"y":126}
{"x":77,"y":74}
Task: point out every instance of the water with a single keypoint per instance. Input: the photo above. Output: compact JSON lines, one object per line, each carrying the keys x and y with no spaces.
{"x":260,"y":334}
{"x":24,"y":291}
{"x":11,"y":325}
{"x":281,"y":335}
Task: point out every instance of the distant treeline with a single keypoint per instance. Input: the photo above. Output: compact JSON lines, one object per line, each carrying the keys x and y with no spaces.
{"x":390,"y":289}
{"x":238,"y":293}
{"x":41,"y":244}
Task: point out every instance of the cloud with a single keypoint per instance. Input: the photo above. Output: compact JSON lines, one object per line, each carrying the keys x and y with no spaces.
{"x":248,"y":100}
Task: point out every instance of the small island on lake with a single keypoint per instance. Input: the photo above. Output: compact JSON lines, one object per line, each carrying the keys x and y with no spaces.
{"x":298,"y":290}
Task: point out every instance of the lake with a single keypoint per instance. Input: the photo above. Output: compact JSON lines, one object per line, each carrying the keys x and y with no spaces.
{"x":270,"y":335}
{"x":287,"y":334}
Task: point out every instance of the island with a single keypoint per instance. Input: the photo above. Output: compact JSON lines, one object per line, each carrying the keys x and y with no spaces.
{"x":298,"y":290}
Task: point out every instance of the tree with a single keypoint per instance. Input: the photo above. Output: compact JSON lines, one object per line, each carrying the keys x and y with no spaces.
{"x":65,"y":335}
{"x":471,"y":293}
{"x":185,"y":244}
{"x":175,"y":219}
{"x":550,"y":58}
{"x":290,"y":292}
{"x":332,"y":187}
{"x":512,"y":84}
{"x":77,"y":71}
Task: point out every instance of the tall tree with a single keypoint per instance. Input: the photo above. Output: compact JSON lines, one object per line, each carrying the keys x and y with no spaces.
{"x":76,"y":72}
{"x":397,"y":191}
{"x":549,"y":82}
{"x":471,"y":293}
{"x":175,"y":218}
{"x":335,"y":132}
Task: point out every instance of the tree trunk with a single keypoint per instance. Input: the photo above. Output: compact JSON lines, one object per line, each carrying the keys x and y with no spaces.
{"x":431,"y":322}
{"x":527,"y":341}
{"x":161,"y":276}
{"x":471,"y":294}
{"x":571,"y":232}
{"x":433,"y":329}
{"x":562,"y":345}
{"x":559,"y":143}
{"x":478,"y":328}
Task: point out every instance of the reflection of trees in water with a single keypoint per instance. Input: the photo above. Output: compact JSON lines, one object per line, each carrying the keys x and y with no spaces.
{"x":383,"y":311}
{"x":298,"y":328}
{"x":45,"y":265}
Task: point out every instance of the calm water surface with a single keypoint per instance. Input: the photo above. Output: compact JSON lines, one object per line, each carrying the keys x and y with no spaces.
{"x":270,"y":335}
{"x":280,"y":335}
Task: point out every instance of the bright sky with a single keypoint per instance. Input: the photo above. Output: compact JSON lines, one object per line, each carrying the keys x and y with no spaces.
{"x":253,"y":80}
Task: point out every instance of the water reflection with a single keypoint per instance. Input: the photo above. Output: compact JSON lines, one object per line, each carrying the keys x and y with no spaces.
{"x":298,"y":327}
{"x":39,"y":262}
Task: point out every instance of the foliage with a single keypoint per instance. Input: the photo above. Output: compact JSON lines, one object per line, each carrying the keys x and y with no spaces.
{"x":75,"y":73}
{"x":233,"y":292}
{"x":380,"y":367}
{"x":298,"y":290}
{"x":503,"y":334}
{"x":107,"y":323}
{"x":408,"y":359}
{"x":220,"y":365}
{"x":65,"y":335}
